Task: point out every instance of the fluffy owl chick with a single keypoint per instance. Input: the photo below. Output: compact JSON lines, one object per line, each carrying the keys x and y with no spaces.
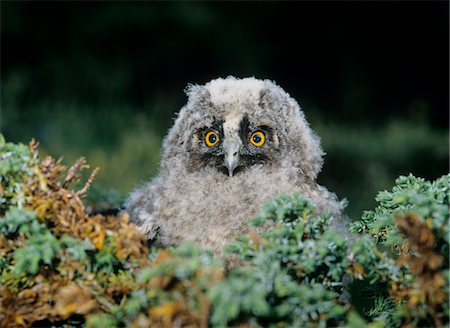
{"x":234,"y":145}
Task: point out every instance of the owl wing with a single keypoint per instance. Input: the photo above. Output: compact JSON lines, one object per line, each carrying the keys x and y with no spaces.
{"x":142,"y":205}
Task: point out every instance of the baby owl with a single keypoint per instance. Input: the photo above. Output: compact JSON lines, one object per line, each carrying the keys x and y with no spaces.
{"x":234,"y":145}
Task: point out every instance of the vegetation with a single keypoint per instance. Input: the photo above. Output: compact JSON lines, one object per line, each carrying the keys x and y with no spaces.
{"x":412,"y":222}
{"x":96,"y":84}
{"x":61,"y":266}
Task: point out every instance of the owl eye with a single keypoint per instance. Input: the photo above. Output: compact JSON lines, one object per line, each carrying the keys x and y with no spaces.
{"x":211,"y":138}
{"x":258,"y":138}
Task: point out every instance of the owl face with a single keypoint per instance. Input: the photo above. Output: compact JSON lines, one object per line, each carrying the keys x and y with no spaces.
{"x":233,"y":144}
{"x":234,"y":125}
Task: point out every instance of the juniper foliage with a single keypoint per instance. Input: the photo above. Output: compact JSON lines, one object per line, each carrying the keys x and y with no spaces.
{"x":295,"y":272}
{"x":61,"y":266}
{"x":411,"y":225}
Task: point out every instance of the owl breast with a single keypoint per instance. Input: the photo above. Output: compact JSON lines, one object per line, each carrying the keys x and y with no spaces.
{"x":211,"y":208}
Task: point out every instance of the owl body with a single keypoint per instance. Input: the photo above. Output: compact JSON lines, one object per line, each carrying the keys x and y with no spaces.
{"x":236,"y":144}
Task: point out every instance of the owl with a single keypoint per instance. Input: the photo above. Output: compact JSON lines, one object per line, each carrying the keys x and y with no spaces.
{"x":234,"y":145}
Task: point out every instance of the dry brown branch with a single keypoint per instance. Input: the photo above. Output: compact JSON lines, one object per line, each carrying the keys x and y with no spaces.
{"x":33,"y":146}
{"x":72,"y":175}
{"x":87,"y":185}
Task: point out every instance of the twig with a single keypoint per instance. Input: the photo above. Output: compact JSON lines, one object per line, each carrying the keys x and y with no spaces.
{"x":33,"y":145}
{"x":79,"y":165}
{"x":85,"y":189}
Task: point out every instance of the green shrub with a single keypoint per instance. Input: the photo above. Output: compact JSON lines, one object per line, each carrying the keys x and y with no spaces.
{"x":294,"y":273}
{"x":61,"y":266}
{"x":411,"y":223}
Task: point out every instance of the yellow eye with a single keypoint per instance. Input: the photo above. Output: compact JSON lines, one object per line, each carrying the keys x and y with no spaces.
{"x":211,"y":138}
{"x":258,"y":138}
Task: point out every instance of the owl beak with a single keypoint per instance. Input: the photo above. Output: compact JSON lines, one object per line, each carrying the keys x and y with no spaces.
{"x":231,"y":149}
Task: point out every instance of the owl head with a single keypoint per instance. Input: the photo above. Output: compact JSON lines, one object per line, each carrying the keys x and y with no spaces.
{"x":232,"y":125}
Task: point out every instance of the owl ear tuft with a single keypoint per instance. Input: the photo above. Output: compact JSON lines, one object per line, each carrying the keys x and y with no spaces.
{"x":267,"y":98}
{"x":198,"y":94}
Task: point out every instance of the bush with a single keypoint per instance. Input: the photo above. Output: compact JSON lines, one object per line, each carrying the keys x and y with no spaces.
{"x":412,"y":224}
{"x":61,"y":266}
{"x":295,"y":272}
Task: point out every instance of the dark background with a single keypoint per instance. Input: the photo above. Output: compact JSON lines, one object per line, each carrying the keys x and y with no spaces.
{"x":104,"y":79}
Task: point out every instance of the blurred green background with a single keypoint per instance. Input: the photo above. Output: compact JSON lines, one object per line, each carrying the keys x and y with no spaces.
{"x":104,"y":80}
